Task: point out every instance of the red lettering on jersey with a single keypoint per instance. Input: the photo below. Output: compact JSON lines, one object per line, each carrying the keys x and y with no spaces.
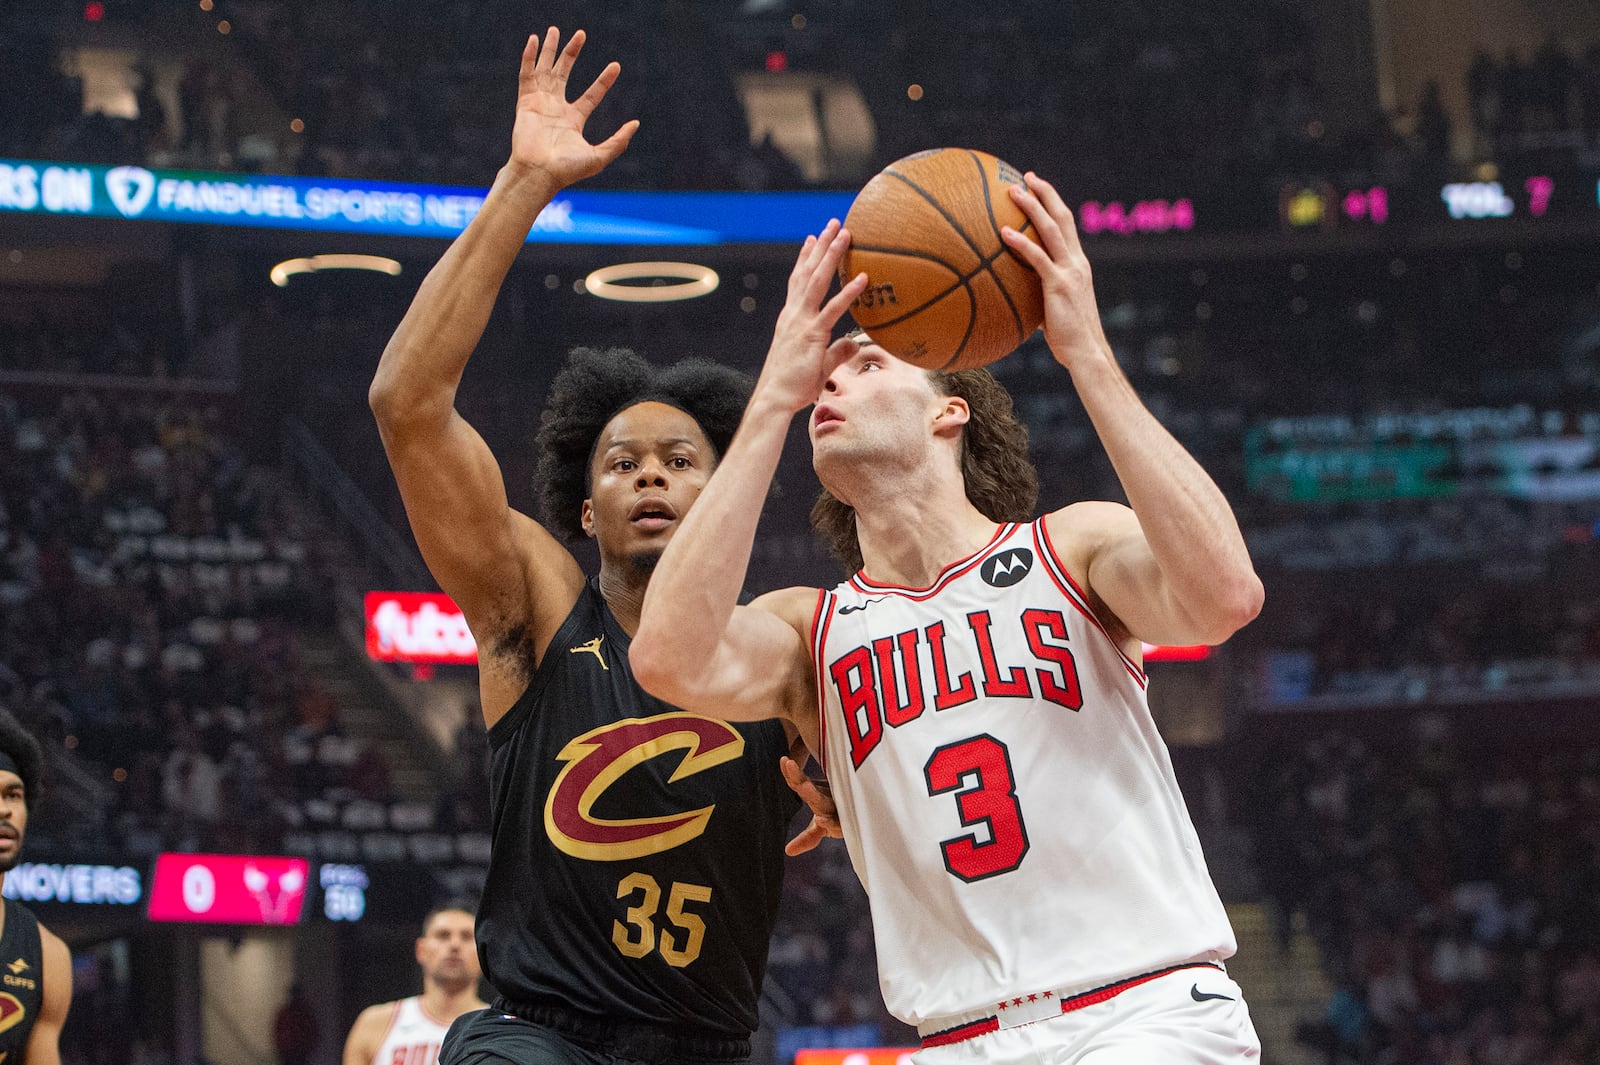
{"x":946,"y":694}
{"x":858,"y":698}
{"x":401,"y":1055}
{"x":895,"y":712}
{"x":1065,"y":691}
{"x":1017,"y":687}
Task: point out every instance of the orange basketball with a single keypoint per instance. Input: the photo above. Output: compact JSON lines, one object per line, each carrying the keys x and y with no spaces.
{"x":943,"y":290}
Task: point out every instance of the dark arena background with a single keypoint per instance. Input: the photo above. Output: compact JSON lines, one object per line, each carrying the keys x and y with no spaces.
{"x":1348,"y":252}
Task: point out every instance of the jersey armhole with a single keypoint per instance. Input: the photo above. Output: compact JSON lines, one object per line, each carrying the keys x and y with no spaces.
{"x":821,"y":614}
{"x":1076,"y":595}
{"x":503,"y":730}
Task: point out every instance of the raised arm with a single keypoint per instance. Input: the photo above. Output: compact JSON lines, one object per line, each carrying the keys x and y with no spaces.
{"x":498,"y":565}
{"x":1174,"y":569}
{"x":696,"y":648}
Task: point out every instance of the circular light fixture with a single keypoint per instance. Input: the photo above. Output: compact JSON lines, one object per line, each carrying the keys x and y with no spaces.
{"x":290,"y":267}
{"x":692,"y":280}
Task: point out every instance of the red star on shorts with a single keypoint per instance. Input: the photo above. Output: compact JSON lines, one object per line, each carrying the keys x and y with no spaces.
{"x":1016,"y":1002}
{"x":1047,"y":994}
{"x":1033,"y":998}
{"x":1002,"y":1005}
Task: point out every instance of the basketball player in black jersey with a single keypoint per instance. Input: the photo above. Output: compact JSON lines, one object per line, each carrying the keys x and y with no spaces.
{"x":35,"y":966}
{"x":637,"y":857}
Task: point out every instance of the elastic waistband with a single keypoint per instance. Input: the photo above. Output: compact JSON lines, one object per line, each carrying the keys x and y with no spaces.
{"x":1037,"y":1006}
{"x":629,"y":1039}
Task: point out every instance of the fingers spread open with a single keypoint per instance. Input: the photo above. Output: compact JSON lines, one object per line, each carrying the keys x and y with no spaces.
{"x":597,"y":91}
{"x":617,"y":143}
{"x":552,"y":46}
{"x":530,"y":61}
{"x":569,"y":55}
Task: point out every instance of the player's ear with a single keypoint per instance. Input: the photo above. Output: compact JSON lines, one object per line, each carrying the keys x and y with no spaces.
{"x":952,"y":414}
{"x":586,"y":518}
{"x":418,"y":951}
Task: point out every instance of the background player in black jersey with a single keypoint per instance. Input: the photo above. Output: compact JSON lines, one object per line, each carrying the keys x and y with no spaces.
{"x":35,"y":966}
{"x":633,"y":883}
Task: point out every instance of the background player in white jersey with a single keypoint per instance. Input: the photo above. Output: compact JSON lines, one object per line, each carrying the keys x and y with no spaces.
{"x":410,"y":1031}
{"x":1037,"y":890}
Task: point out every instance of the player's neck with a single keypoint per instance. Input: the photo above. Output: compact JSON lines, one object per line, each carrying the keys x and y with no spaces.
{"x":445,"y":1005}
{"x":622,"y":586}
{"x":908,"y":537}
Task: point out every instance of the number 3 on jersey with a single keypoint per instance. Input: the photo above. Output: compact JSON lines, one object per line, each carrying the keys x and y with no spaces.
{"x":990,"y":801}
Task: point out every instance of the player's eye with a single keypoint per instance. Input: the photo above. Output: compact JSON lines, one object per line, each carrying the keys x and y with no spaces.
{"x":679,"y":462}
{"x":871,"y":364}
{"x":624,"y":465}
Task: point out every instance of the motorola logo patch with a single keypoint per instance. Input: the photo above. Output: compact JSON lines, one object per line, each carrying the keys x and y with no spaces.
{"x":1007,"y":568}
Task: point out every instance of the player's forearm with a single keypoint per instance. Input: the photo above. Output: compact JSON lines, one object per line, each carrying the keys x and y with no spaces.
{"x":423,"y":362}
{"x":1186,"y":519}
{"x":696,"y":586}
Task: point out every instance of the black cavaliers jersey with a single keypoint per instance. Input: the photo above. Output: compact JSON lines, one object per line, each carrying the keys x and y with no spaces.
{"x":638,"y":849}
{"x":21,"y":979}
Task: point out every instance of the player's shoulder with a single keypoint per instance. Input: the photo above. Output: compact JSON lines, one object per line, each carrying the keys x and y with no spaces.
{"x":1077,"y":530}
{"x":376,"y":1019}
{"x":795,"y":605}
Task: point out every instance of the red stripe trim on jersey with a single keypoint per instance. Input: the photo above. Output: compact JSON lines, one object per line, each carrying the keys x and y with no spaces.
{"x":1069,"y":1003}
{"x":862,"y":583}
{"x":1069,"y":588}
{"x":422,"y":1008}
{"x":394,"y":1018}
{"x":819,"y":638}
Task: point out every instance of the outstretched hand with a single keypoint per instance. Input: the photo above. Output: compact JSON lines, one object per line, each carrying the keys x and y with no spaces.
{"x":800,"y":358}
{"x":548,"y":134}
{"x":824,"y":814}
{"x":1071,"y":316}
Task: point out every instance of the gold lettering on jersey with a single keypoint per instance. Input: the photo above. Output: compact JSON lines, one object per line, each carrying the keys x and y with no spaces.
{"x":19,"y":981}
{"x":638,"y":937}
{"x":592,"y":647}
{"x":599,"y":758}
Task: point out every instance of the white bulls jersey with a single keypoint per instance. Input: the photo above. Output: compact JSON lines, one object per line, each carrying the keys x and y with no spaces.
{"x":1007,"y":801}
{"x":413,"y":1038}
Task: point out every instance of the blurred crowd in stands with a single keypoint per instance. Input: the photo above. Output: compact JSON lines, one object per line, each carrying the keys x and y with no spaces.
{"x":1449,"y":872}
{"x":156,"y":595}
{"x":358,"y":88}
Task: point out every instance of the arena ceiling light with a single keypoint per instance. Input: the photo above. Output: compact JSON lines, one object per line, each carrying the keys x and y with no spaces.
{"x":290,"y":267}
{"x":687,"y":281}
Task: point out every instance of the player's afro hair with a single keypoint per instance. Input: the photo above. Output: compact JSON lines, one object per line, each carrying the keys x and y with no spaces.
{"x":592,"y":388}
{"x":24,"y":750}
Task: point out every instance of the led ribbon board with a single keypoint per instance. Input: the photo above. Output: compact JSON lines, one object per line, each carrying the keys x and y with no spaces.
{"x":386,"y":208}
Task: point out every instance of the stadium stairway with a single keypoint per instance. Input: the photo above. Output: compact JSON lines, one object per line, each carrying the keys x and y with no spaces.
{"x":1283,"y":987}
{"x":417,"y":770}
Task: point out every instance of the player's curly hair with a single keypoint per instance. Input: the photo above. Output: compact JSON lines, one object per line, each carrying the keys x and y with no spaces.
{"x":18,"y":743}
{"x":1000,"y":480}
{"x":592,"y":388}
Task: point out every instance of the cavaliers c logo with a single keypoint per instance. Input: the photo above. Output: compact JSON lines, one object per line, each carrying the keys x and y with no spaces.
{"x":11,"y":1011}
{"x":598,"y":758}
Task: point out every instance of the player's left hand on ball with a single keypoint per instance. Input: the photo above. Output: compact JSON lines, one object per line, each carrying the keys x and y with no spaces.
{"x":801,"y":358}
{"x":1071,"y":316}
{"x":824,"y":814}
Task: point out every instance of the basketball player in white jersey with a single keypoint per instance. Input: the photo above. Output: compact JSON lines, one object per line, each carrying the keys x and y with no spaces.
{"x":1037,"y":889}
{"x":409,"y":1032}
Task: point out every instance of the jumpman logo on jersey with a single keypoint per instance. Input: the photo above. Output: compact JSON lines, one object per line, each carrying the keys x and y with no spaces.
{"x":593,"y":647}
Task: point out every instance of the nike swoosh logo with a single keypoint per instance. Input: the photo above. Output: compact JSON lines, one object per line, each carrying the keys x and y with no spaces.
{"x":852,"y":608}
{"x":1202,"y":996}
